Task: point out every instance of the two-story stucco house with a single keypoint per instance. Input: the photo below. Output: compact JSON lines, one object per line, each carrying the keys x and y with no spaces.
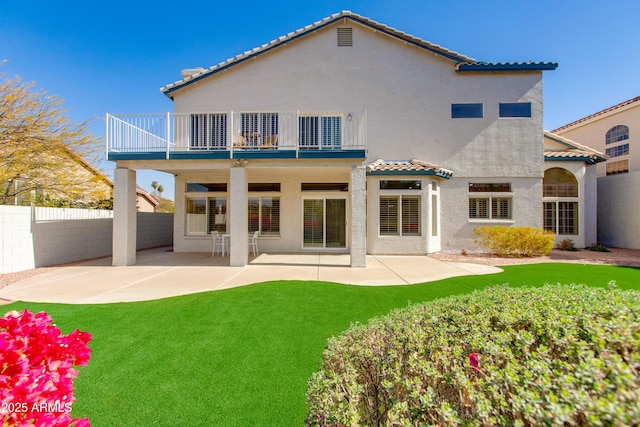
{"x":346,"y":135}
{"x":614,"y":131}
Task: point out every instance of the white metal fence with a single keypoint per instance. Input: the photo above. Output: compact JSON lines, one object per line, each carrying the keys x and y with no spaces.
{"x":41,"y":214}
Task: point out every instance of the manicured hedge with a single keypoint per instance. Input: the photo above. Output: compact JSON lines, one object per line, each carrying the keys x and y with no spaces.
{"x":555,"y":355}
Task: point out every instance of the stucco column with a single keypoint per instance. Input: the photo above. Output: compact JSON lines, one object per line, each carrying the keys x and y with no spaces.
{"x":124,"y":217}
{"x":358,"y":217}
{"x":238,"y":217}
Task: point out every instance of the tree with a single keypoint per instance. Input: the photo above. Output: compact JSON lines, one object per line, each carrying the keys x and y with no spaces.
{"x":160,"y":190}
{"x":154,"y":185}
{"x":40,"y":148}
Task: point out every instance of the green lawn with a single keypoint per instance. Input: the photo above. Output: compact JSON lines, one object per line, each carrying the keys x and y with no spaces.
{"x":241,"y":357}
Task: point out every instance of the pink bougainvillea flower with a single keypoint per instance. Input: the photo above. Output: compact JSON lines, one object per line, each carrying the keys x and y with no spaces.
{"x":474,"y":361}
{"x":36,"y":370}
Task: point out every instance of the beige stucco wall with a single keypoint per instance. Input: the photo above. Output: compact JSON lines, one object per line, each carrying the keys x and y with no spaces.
{"x":407,"y":93}
{"x":592,"y":133}
{"x":291,"y":201}
{"x":144,"y":205}
{"x":617,"y":195}
{"x":458,"y":229}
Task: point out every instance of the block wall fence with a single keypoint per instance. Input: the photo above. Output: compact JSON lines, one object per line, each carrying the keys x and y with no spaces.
{"x":39,"y":237}
{"x":618,"y":207}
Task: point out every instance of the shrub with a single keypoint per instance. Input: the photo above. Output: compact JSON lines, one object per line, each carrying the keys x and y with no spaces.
{"x":567,"y":245}
{"x":598,"y":248}
{"x":515,"y":241}
{"x":556,"y":355}
{"x":36,"y":372}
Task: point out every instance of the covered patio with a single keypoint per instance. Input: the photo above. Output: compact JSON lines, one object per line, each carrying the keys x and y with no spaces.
{"x":161,"y":273}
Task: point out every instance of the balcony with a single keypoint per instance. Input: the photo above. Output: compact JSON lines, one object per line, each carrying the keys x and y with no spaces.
{"x":236,"y":135}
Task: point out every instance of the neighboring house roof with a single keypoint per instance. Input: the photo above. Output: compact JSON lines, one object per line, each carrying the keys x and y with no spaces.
{"x":573,"y":151}
{"x":88,"y":166}
{"x":139,"y":191}
{"x":464,"y":63}
{"x":626,"y":103}
{"x":413,"y":167}
{"x":145,"y":195}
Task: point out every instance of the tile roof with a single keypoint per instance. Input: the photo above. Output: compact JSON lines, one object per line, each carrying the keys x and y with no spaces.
{"x":412,"y":167}
{"x":506,"y":66}
{"x":599,"y":113}
{"x":574,"y":151}
{"x":199,"y":73}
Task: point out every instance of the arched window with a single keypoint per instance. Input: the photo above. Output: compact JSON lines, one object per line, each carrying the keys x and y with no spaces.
{"x":559,"y":182}
{"x":617,"y":133}
{"x":560,"y":201}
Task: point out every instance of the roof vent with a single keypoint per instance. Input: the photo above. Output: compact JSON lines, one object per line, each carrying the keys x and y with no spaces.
{"x":345,"y":36}
{"x":190,"y":72}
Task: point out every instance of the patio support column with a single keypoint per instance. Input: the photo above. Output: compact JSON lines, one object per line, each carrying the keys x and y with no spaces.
{"x":238,"y":217}
{"x":124,"y":217}
{"x":358,"y":216}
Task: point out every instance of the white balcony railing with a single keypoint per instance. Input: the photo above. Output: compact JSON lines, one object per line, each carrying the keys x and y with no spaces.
{"x":235,"y":131}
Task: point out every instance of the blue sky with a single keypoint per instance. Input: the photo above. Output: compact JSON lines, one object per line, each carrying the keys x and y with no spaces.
{"x":114,"y":56}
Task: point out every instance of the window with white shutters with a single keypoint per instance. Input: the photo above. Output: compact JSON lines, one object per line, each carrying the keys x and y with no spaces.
{"x":494,"y":204}
{"x":400,"y":215}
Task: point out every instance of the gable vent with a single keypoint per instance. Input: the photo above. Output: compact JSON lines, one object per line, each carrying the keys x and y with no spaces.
{"x":345,"y":36}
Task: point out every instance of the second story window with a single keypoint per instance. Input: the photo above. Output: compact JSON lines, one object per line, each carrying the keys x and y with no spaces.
{"x":515,"y":109}
{"x":466,"y":111}
{"x":619,"y":150}
{"x":616,"y":134}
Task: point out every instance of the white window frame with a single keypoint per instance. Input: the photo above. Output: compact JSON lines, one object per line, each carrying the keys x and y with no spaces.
{"x":556,"y":227}
{"x":207,"y":197}
{"x":399,"y":215}
{"x":260,"y":198}
{"x":492,"y":199}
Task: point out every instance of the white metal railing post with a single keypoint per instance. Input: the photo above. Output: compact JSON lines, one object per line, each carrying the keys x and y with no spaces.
{"x":106,"y":138}
{"x":296,"y":136}
{"x":366,"y":129}
{"x":167,"y":130}
{"x":230,"y":136}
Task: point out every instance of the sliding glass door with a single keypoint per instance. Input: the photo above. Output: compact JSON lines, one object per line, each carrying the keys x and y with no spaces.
{"x":324,"y":223}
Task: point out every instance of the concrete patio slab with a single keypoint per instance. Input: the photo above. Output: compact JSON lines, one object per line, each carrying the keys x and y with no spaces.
{"x":161,"y":273}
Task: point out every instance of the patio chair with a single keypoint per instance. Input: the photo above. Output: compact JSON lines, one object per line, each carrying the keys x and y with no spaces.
{"x":217,"y":243}
{"x":270,"y":141}
{"x":253,"y":242}
{"x":239,"y":142}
